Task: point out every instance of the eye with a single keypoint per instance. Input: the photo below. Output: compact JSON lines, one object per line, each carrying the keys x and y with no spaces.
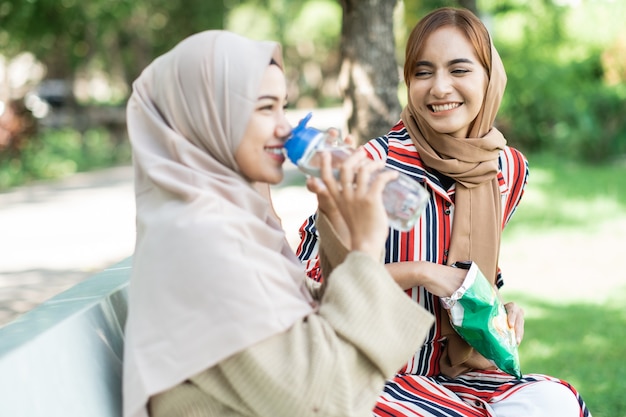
{"x":422,"y":73}
{"x":460,"y":71}
{"x":265,"y":105}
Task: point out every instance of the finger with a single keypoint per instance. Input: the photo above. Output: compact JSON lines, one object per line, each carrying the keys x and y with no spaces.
{"x":363,"y":168}
{"x":334,"y":136}
{"x":325,"y":203}
{"x":327,"y":176}
{"x":347,"y":173}
{"x":315,"y":185}
{"x":519,"y":326}
{"x":515,"y":317}
{"x":519,"y":331}
{"x":367,"y":176}
{"x":382,"y":178}
{"x":510,"y":313}
{"x":350,"y":141}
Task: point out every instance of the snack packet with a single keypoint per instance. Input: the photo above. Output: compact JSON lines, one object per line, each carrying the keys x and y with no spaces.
{"x":478,"y":316}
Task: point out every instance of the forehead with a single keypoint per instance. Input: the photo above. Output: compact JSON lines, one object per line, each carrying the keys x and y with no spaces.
{"x":273,"y":81}
{"x":447,"y":43}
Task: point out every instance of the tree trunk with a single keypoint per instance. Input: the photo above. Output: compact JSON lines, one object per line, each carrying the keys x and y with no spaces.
{"x":369,"y":72}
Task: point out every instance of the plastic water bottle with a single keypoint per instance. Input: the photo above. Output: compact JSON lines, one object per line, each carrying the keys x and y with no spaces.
{"x":404,"y":198}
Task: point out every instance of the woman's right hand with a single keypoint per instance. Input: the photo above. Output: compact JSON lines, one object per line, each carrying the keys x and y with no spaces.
{"x":357,"y":198}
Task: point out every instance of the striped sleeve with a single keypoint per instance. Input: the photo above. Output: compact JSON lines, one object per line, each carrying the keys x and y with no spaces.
{"x":514,"y":168}
{"x":308,"y":249}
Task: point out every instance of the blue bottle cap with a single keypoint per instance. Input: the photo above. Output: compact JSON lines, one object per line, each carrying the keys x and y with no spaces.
{"x":300,"y":139}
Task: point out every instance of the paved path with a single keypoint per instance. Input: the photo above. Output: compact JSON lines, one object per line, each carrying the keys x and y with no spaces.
{"x":53,"y":235}
{"x":56,"y":234}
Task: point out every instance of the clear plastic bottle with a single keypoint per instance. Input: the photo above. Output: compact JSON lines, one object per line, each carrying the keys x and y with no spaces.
{"x":404,"y":198}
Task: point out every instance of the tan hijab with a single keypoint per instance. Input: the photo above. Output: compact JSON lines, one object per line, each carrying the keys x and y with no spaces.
{"x":212,"y":271}
{"x":473,"y":163}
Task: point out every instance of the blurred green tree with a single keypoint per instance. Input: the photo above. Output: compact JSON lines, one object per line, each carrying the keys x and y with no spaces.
{"x":563,"y":92}
{"x":309,"y":32}
{"x":566,"y":84}
{"x":118,"y":38}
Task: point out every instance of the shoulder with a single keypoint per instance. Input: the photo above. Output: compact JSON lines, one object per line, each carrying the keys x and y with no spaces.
{"x":397,"y":149}
{"x":512,"y":159}
{"x":512,"y":153}
{"x":378,"y":148}
{"x":513,"y":167}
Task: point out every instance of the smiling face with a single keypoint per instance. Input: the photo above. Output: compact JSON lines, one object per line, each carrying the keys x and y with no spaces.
{"x":448,"y":82}
{"x":260,"y":153}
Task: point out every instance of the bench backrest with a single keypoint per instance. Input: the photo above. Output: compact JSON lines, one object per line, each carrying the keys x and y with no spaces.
{"x":64,"y":358}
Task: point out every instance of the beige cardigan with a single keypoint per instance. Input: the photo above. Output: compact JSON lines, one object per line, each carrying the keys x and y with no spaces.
{"x":333,"y":363}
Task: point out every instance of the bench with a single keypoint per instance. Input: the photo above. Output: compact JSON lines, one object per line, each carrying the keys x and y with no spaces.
{"x":64,"y":358}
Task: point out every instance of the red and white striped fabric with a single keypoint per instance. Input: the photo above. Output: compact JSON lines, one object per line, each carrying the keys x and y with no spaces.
{"x":419,"y":389}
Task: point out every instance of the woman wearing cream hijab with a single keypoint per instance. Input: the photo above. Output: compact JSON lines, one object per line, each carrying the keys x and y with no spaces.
{"x":222,"y":320}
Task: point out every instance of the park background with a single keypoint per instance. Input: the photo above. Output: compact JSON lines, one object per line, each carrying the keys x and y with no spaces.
{"x":66,"y":68}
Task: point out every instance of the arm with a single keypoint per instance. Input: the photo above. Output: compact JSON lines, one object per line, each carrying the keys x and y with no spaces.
{"x":440,"y":280}
{"x":321,"y":248}
{"x":514,"y":168}
{"x":515,"y":171}
{"x":326,"y":249}
{"x":340,"y":222}
{"x":335,"y":362}
{"x":309,"y":251}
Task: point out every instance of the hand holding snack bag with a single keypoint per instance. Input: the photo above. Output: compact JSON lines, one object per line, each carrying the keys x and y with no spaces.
{"x":478,"y":316}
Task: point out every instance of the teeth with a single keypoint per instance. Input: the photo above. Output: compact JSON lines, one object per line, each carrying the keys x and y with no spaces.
{"x":444,"y":107}
{"x":277,"y":151}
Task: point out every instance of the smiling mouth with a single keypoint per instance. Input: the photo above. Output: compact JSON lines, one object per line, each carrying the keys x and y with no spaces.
{"x":276,"y":152}
{"x":436,"y":108}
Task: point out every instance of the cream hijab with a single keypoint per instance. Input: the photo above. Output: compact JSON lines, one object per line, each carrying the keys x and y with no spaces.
{"x":212,"y":271}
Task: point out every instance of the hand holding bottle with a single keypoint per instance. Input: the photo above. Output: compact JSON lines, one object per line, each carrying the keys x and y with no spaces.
{"x":355,"y":193}
{"x":404,"y":198}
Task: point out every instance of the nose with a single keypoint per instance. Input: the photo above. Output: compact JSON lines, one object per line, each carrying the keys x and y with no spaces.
{"x":442,"y":85}
{"x":283,"y":128}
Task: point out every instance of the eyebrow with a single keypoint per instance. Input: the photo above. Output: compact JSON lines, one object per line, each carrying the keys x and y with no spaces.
{"x":450,"y":63}
{"x":270,"y":97}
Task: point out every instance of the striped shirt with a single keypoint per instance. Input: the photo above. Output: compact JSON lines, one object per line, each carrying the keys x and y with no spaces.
{"x":418,"y":385}
{"x":429,"y":240}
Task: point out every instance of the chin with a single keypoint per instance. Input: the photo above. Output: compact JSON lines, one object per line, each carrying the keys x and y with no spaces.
{"x":447,"y":131}
{"x":274,"y":179}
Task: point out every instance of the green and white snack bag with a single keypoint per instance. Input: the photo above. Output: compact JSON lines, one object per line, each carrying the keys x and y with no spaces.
{"x":478,"y":316}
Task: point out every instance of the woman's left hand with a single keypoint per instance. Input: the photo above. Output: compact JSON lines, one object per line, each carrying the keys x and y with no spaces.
{"x":516,"y":320}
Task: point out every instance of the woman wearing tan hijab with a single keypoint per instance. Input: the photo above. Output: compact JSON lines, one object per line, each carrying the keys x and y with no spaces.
{"x":222,"y":320}
{"x":446,"y":140}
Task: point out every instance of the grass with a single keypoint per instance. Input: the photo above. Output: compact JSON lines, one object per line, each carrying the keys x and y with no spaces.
{"x":582,"y":343}
{"x":563,"y":194}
